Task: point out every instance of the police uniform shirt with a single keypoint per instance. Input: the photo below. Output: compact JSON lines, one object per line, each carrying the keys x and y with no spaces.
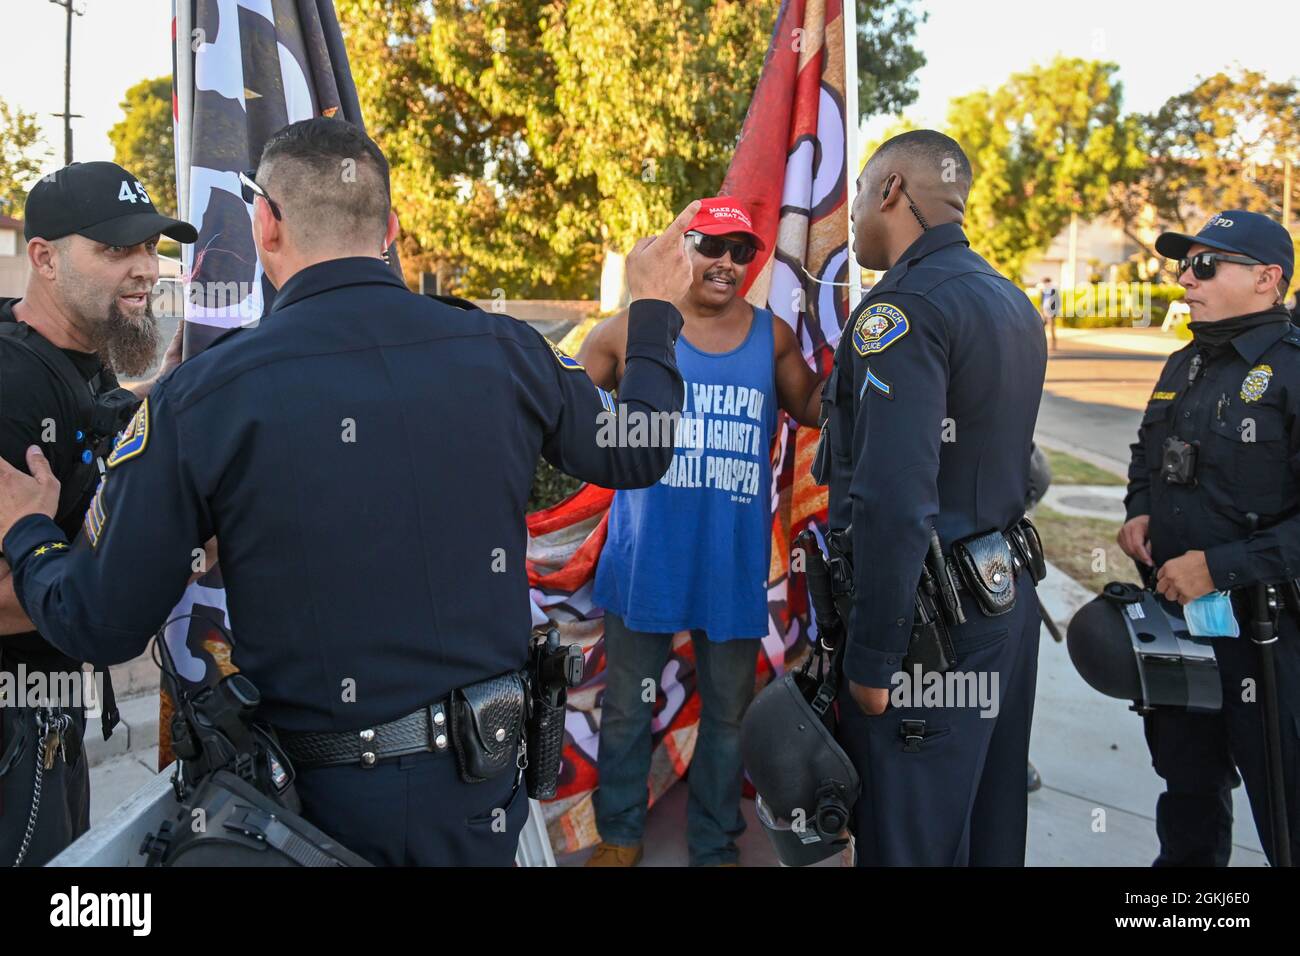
{"x":36,"y":409}
{"x":933,"y":399}
{"x":364,"y":458}
{"x":1241,"y":410}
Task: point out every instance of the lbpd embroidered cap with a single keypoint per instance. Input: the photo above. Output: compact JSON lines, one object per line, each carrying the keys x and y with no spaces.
{"x":1235,"y":230}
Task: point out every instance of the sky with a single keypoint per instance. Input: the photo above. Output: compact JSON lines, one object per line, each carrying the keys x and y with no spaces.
{"x":1161,"y":49}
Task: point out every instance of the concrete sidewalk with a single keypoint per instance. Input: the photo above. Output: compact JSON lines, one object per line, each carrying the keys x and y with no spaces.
{"x":1150,"y":340}
{"x":1096,"y":807}
{"x":1097,"y":804}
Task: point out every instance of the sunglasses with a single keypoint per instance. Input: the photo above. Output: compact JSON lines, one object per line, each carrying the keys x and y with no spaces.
{"x":1204,"y":264}
{"x":714,"y":247}
{"x":248,"y":189}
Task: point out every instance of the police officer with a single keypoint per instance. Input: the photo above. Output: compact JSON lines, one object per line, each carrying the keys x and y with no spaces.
{"x":1218,"y":454}
{"x":92,"y":234}
{"x":364,"y":458}
{"x":932,"y":403}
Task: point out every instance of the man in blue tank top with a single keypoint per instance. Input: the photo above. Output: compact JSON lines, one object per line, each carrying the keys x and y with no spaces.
{"x":692,"y":552}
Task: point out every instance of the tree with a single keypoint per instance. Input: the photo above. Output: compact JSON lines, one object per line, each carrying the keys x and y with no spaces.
{"x":538,"y":134}
{"x":142,"y":140}
{"x":887,"y":60}
{"x":23,"y":155}
{"x":1047,"y":144}
{"x":1221,"y":145}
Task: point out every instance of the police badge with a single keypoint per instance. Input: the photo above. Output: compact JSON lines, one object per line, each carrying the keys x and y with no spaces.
{"x":1255,"y":383}
{"x":878,"y":328}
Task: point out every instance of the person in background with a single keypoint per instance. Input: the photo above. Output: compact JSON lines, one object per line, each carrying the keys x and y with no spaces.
{"x":692,"y":552}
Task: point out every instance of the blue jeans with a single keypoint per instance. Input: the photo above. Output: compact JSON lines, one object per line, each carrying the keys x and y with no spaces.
{"x":725,"y":681}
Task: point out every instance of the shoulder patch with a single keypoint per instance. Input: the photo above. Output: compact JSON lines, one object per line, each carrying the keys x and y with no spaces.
{"x":878,"y":328}
{"x":566,"y":361}
{"x":134,"y":438}
{"x":1162,"y":396}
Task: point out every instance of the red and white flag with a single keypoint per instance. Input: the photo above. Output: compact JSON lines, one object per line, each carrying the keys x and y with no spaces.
{"x":790,"y":170}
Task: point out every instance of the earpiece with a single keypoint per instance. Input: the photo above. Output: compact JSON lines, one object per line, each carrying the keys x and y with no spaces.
{"x":889,"y":184}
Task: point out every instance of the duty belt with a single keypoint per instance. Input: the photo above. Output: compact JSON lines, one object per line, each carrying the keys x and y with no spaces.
{"x":420,"y":731}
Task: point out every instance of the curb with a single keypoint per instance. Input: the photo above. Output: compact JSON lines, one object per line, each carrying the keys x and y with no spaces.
{"x":138,"y":730}
{"x":1105,"y":462}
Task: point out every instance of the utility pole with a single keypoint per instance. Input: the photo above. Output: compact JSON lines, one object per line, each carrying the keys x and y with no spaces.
{"x":67,"y":114}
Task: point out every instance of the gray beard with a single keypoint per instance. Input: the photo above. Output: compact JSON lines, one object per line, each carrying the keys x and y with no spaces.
{"x":128,"y":347}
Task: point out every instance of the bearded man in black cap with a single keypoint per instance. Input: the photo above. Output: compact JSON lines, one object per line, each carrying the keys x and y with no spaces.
{"x":92,"y":245}
{"x":1213,"y":507}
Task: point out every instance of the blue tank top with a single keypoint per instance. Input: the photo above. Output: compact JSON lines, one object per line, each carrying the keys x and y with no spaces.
{"x":693,"y":550}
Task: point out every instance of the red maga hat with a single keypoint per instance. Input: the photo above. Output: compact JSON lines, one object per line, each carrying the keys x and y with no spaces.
{"x":723,"y":215}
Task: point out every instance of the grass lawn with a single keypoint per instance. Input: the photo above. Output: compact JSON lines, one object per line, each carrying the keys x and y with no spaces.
{"x":1084,"y":548}
{"x":1068,"y":470}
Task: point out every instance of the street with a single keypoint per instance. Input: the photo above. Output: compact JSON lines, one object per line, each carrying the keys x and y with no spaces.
{"x":1094,"y":395}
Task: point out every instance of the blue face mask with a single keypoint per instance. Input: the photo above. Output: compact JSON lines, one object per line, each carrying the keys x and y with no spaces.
{"x":1211,"y":616}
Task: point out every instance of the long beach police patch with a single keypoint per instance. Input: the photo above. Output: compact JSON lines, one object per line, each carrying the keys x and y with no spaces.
{"x":878,"y":328}
{"x":1256,"y":382}
{"x":567,"y":361}
{"x":131,"y":443}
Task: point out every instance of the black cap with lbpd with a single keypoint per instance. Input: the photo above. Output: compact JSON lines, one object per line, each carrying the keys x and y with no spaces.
{"x":1237,"y":230}
{"x":100,"y":201}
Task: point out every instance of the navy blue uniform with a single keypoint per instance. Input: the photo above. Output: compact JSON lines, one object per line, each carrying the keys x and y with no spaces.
{"x":1241,"y":408}
{"x":364,"y":458}
{"x":933,"y":399}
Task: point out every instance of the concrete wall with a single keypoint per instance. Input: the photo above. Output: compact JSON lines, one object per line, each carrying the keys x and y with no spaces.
{"x":1099,"y":239}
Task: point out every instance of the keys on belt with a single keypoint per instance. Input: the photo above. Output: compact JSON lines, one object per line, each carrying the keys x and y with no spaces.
{"x":423,"y":730}
{"x":57,"y":734}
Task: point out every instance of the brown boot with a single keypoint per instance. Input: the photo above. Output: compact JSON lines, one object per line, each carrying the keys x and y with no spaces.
{"x":607,"y":854}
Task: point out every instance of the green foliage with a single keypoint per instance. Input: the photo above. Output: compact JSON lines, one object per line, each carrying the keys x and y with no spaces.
{"x":527,"y":138}
{"x":23,"y":155}
{"x":550,"y":486}
{"x":1047,"y":143}
{"x":1220,"y":146}
{"x":1069,"y":470}
{"x":142,"y":140}
{"x":1077,"y":545}
{"x":887,"y":60}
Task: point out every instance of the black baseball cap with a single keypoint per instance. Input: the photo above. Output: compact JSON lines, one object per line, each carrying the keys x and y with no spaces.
{"x":1236,"y":230}
{"x":100,"y":201}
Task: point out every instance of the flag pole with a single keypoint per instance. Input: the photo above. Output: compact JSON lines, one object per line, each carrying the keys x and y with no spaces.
{"x":850,"y":15}
{"x":183,"y":12}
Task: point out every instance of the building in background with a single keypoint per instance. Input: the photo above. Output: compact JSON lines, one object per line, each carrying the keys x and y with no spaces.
{"x":13,"y":258}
